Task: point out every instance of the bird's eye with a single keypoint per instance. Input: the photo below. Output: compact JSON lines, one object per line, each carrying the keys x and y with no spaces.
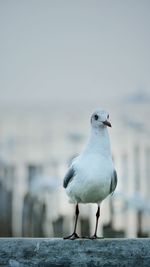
{"x":96,"y":117}
{"x":108,"y":116}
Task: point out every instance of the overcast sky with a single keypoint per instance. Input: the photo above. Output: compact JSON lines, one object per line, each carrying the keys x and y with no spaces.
{"x":73,"y":51}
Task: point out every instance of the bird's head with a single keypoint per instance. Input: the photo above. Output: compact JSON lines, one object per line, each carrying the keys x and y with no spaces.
{"x":100,"y":118}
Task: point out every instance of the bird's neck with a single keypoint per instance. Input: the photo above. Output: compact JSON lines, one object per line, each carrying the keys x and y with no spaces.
{"x":99,"y":142}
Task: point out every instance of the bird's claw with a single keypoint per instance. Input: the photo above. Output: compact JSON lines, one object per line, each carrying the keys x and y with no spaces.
{"x":72,"y":237}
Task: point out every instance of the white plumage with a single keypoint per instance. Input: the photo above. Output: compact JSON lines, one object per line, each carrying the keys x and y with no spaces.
{"x":92,"y":176}
{"x":92,"y":179}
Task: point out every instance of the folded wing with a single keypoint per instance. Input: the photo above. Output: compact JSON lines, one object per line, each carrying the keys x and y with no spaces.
{"x":113,"y":183}
{"x":68,"y":177}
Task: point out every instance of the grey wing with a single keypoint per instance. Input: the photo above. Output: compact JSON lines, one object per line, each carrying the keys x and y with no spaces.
{"x":68,"y":177}
{"x":113,"y":183}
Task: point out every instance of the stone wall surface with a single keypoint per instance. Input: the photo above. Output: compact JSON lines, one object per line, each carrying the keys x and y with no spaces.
{"x":54,"y":252}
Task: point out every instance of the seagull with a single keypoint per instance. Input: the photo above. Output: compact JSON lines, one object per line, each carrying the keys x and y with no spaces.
{"x":91,"y":176}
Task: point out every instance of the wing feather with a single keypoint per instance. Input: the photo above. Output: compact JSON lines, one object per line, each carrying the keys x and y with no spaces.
{"x":113,"y":183}
{"x":68,"y":177}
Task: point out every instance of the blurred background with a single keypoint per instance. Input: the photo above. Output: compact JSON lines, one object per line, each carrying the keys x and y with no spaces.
{"x":59,"y":60}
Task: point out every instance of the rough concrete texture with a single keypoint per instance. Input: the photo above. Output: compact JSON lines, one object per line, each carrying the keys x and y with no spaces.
{"x":44,"y":252}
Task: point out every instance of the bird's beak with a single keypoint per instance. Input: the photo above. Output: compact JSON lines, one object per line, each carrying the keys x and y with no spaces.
{"x":107,"y":123}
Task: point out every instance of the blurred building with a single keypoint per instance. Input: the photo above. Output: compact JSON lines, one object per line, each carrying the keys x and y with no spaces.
{"x":35,"y":148}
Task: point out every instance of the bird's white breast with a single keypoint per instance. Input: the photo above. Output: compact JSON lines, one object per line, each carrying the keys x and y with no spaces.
{"x":91,"y":184}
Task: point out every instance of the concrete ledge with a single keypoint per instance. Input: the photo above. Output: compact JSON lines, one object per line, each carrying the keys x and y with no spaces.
{"x":44,"y":252}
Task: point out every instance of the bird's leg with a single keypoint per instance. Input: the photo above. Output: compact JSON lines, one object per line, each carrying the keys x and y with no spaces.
{"x":97,"y":218}
{"x":74,"y":235}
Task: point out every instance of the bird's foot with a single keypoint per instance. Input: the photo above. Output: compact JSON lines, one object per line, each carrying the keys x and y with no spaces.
{"x":72,"y":237}
{"x":93,"y":237}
